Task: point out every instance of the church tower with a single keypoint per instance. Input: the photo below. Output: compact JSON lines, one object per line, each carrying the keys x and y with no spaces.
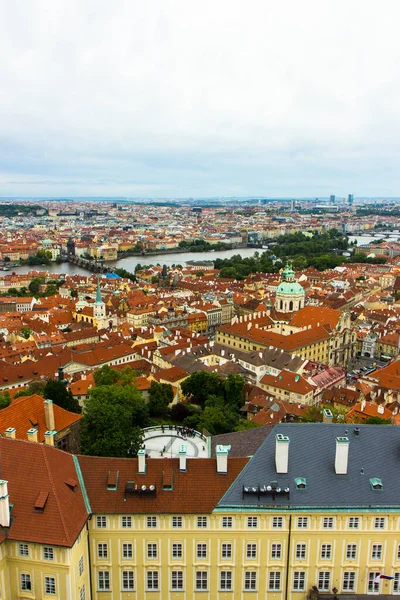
{"x":290,"y":295}
{"x":99,"y":309}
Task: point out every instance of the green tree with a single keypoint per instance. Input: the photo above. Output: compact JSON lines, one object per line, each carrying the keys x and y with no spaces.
{"x":5,"y":399}
{"x":34,"y":286}
{"x":233,"y":387}
{"x":113,"y":418}
{"x":57,"y":391}
{"x":160,"y":396}
{"x":377,"y":421}
{"x":74,"y":293}
{"x":105,"y":376}
{"x":25,"y":332}
{"x":35,"y":387}
{"x":200,"y":385}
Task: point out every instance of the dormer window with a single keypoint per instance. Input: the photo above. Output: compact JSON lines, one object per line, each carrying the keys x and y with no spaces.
{"x":301,"y":483}
{"x":376,"y":483}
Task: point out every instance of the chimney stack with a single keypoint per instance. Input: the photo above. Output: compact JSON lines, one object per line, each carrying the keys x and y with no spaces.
{"x":342,"y":455}
{"x":11,"y":432}
{"x":222,"y":458}
{"x":141,"y":461}
{"x":32,"y":435}
{"x":327,"y":416}
{"x":4,"y":504}
{"x":182,"y":457}
{"x":49,"y":437}
{"x":49,"y":415}
{"x":281,"y":453}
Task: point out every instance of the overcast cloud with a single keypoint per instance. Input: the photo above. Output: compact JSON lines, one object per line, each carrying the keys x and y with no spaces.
{"x":188,"y":98}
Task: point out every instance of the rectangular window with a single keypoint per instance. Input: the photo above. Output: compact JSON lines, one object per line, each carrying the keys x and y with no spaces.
{"x":373,"y":583}
{"x":226,"y":550}
{"x":49,"y":585}
{"x":274,"y":584}
{"x":302,"y":522}
{"x":351,"y":551}
{"x":127,"y":550}
{"x":354,"y":523}
{"x":151,"y":550}
{"x":379,"y":523}
{"x":349,"y":581}
{"x":176,"y":522}
{"x":23,"y":549}
{"x":48,"y":553}
{"x":82,"y":593}
{"x":328,"y":523}
{"x":276,"y":550}
{"x":277,"y":522}
{"x":26,"y":583}
{"x":376,"y":551}
{"x":80,"y":565}
{"x":324,"y":578}
{"x":300,"y":551}
{"x":201,"y":550}
{"x":152,"y":580}
{"x":326,"y":551}
{"x":176,"y":550}
{"x":396,"y":583}
{"x":201,"y":580}
{"x":252,"y":522}
{"x":225,"y":580}
{"x":250,"y":580}
{"x":227,"y":522}
{"x":151,"y":522}
{"x":128,"y":582}
{"x":398,"y":552}
{"x":102,"y":551}
{"x":126,"y":522}
{"x":177,"y":580}
{"x":251,"y":551}
{"x":103,"y":580}
{"x":299,"y":580}
{"x":101,"y":522}
{"x":202,"y":522}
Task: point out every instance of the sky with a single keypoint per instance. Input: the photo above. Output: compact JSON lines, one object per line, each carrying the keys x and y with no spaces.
{"x":178,"y":98}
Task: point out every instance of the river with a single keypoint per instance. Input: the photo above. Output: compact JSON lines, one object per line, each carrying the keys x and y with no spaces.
{"x":174,"y":258}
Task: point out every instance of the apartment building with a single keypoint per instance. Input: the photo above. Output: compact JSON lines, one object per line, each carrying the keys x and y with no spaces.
{"x":316,"y":509}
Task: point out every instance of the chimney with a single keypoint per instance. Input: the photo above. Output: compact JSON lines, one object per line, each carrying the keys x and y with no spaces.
{"x":281,"y":453}
{"x":342,"y":455}
{"x":141,"y":461}
{"x":381,"y":409}
{"x":363,"y":403}
{"x":49,"y":415}
{"x":32,"y":435}
{"x":49,"y":437}
{"x":222,"y":458}
{"x":182,"y":457}
{"x":11,"y":432}
{"x":327,"y":416}
{"x":4,"y":504}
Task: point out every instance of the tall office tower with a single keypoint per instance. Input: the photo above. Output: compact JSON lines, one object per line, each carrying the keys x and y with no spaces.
{"x":350,"y":199}
{"x":292,"y":205}
{"x":332,"y":198}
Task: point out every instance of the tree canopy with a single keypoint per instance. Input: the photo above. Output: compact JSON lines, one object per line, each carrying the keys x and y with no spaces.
{"x":57,"y":391}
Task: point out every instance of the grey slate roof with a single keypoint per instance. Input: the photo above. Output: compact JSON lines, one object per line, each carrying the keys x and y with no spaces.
{"x":312,"y":449}
{"x":243,"y":443}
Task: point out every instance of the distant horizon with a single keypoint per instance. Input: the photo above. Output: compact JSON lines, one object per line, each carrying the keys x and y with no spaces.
{"x":66,"y":198}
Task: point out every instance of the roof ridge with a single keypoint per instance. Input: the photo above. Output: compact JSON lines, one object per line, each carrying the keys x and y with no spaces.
{"x":54,"y":489}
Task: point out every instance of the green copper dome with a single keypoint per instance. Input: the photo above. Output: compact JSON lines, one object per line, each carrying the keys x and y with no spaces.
{"x":290,"y":287}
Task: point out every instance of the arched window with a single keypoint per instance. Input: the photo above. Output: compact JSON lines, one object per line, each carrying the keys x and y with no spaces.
{"x":290,"y":305}
{"x":281,"y":304}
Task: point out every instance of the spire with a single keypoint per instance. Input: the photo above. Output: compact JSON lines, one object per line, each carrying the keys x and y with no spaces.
{"x":98,"y":293}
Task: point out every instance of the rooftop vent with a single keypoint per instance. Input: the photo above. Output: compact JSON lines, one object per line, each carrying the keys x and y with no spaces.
{"x":376,"y":483}
{"x":41,"y":501}
{"x":112,"y":481}
{"x":271,"y":489}
{"x":301,"y":483}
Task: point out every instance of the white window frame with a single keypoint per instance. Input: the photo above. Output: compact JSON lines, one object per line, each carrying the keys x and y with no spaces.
{"x":379,"y":523}
{"x":177,"y":580}
{"x":349,"y":581}
{"x":48,"y":553}
{"x":152,"y":581}
{"x":50,"y":585}
{"x":25,"y":582}
{"x":226,"y":550}
{"x":201,"y":550}
{"x":277,"y":522}
{"x":126,"y":522}
{"x":250,"y":581}
{"x":225,"y":580}
{"x":396,"y":583}
{"x":177,"y":522}
{"x":152,"y":550}
{"x":276,"y":551}
{"x":82,"y":592}
{"x":251,"y":551}
{"x":299,"y":581}
{"x":351,"y":551}
{"x":202,"y":522}
{"x":324,"y":580}
{"x":102,"y":550}
{"x":252,"y":522}
{"x":101,"y":521}
{"x":372,"y":587}
{"x":128,"y":581}
{"x":227,"y":522}
{"x":127,"y":550}
{"x":103,"y":581}
{"x":274,"y":581}
{"x":81,"y":566}
{"x":23,"y":550}
{"x":326,"y":551}
{"x":354,"y":522}
{"x":328,"y":523}
{"x":177,"y":550}
{"x":302,"y":522}
{"x":201,"y":581}
{"x":301,"y":551}
{"x":151,"y":522}
{"x":376,"y":551}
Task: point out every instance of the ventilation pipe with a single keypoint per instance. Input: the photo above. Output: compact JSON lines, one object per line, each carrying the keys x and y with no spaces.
{"x":281,"y":453}
{"x":342,"y":455}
